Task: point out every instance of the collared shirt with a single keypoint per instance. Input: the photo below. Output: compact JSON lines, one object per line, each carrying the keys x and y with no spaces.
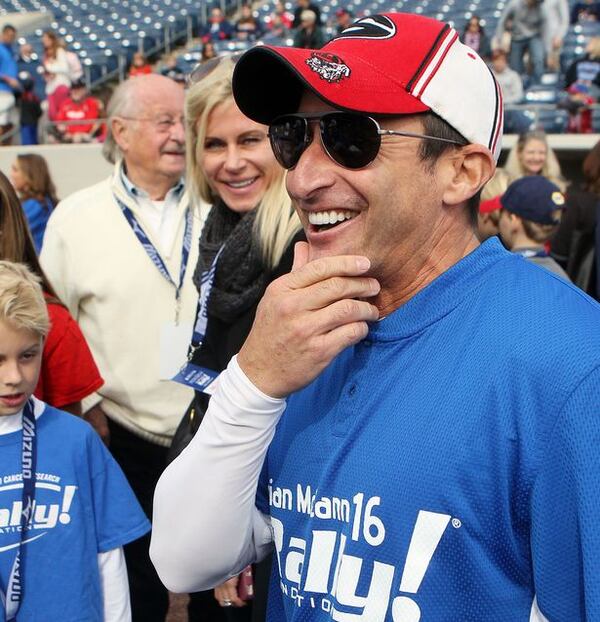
{"x":161,"y":216}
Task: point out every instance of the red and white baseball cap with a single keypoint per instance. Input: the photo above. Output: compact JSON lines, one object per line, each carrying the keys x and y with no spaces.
{"x":391,"y":64}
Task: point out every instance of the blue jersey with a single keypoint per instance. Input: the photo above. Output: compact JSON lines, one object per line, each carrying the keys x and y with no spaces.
{"x":83,"y":506}
{"x":447,"y":468}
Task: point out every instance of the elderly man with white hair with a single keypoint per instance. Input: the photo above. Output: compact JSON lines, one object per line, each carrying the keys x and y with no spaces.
{"x":120,"y":255}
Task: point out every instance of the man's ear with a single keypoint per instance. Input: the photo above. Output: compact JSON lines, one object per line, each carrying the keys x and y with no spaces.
{"x":120,"y":133}
{"x":470,"y":168}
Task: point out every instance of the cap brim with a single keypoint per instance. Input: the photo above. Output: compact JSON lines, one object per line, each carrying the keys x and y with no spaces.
{"x":491,"y":205}
{"x":270,"y":81}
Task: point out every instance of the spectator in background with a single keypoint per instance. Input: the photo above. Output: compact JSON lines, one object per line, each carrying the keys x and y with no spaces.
{"x":532,"y":155}
{"x":488,"y":217}
{"x":515,"y":122}
{"x":208,"y":51}
{"x":585,"y":70}
{"x":28,"y":61}
{"x":578,"y":104}
{"x":530,"y":29}
{"x":30,"y":109}
{"x":173,"y":70}
{"x":586,"y":11}
{"x":309,"y":34}
{"x":218,"y":28}
{"x":303,"y":5}
{"x":8,"y":82}
{"x":79,"y":106}
{"x":171,"y":65}
{"x":69,"y":373}
{"x":474,"y":36}
{"x":139,"y":65}
{"x":531,"y":212}
{"x":582,"y":88}
{"x":280,"y":20}
{"x":27,"y":57}
{"x":120,"y":255}
{"x":574,"y":245}
{"x":558,"y":24}
{"x":509,"y":80}
{"x":248,"y":27}
{"x":31,"y":179}
{"x":56,"y":73}
{"x":344,"y":18}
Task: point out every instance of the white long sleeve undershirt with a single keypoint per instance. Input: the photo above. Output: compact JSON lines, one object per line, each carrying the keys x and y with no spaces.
{"x":206,"y":527}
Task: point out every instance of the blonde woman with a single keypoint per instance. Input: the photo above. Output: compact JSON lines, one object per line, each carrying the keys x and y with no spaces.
{"x":532,"y":155}
{"x":248,"y":239}
{"x":56,"y":72}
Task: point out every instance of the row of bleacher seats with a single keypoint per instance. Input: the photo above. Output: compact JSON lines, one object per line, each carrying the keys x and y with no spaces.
{"x":106,"y":33}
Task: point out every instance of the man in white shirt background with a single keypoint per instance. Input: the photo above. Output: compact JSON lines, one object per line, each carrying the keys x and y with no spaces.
{"x":121,"y":255}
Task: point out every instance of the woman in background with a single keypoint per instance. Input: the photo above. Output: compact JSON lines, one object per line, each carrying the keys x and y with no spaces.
{"x":248,"y":238}
{"x":532,"y":155}
{"x":31,"y":179}
{"x":474,"y":36}
{"x":208,"y":51}
{"x":574,"y":245}
{"x":57,"y":72}
{"x":68,"y":370}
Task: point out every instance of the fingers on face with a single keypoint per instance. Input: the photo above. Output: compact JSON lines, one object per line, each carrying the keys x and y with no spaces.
{"x":339,"y":288}
{"x":328,"y":267}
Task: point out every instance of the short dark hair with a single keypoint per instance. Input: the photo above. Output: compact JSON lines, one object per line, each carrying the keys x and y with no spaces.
{"x":8,"y":27}
{"x":432,"y":150}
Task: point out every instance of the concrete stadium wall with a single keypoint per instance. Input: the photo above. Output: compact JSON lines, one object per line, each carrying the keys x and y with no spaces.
{"x":72,"y":166}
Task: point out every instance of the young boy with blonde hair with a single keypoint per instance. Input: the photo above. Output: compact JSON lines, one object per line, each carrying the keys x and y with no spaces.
{"x":66,"y":509}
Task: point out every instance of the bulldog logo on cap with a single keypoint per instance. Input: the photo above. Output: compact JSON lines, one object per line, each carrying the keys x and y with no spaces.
{"x":374,"y":27}
{"x":329,"y":66}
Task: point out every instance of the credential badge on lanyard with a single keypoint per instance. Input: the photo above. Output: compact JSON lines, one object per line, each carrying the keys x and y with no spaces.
{"x":194,"y":376}
{"x":154,"y":255}
{"x":14,"y":590}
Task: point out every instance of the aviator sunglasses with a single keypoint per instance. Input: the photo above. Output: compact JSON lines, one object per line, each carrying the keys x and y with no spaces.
{"x":350,"y":139}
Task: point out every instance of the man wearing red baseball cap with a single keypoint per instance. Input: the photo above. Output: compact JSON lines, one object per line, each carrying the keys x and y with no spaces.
{"x":404,"y":481}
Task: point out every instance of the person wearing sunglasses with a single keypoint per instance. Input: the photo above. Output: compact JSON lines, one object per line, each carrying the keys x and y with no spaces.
{"x":359,"y":434}
{"x":246,"y":243}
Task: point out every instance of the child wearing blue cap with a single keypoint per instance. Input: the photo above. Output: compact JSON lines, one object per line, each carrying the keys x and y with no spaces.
{"x":531,"y":211}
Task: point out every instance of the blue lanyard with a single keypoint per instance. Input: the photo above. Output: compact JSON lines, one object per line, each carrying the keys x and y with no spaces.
{"x":14,"y":591}
{"x":206,"y":284}
{"x":155,"y":255}
{"x":194,"y":376}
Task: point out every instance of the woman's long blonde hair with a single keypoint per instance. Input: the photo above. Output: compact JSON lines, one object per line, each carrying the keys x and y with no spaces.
{"x":551,"y":169}
{"x":276,"y":221}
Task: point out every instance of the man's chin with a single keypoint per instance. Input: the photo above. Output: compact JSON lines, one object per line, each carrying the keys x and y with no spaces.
{"x":316,"y":252}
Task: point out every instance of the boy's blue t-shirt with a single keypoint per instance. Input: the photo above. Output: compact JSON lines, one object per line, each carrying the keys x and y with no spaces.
{"x":83,"y":506}
{"x":447,"y":467}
